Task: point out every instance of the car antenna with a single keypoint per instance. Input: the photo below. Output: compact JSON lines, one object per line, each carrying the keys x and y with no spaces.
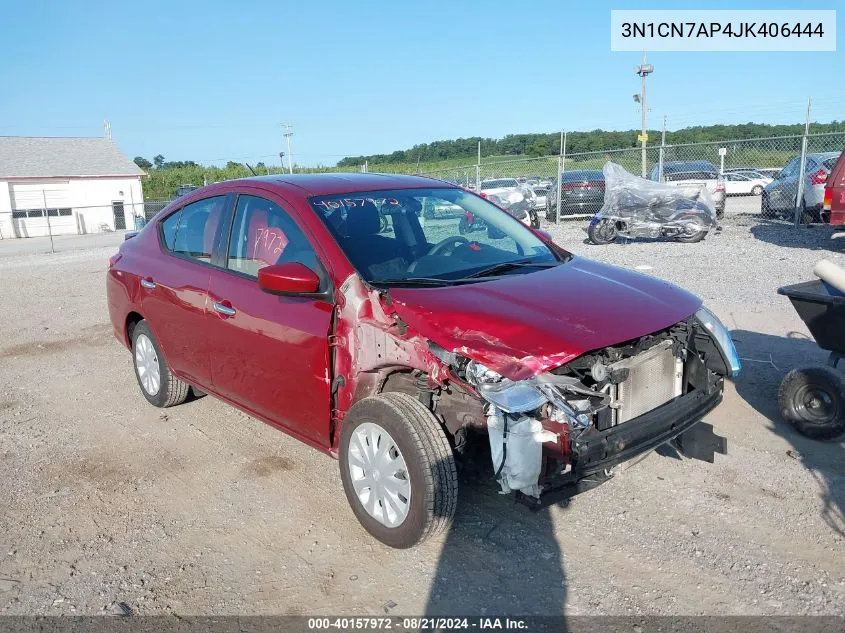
{"x":251,"y":169}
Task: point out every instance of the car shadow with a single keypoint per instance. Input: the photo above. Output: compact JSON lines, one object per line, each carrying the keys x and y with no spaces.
{"x":499,"y":558}
{"x":807,"y":236}
{"x":766,"y":360}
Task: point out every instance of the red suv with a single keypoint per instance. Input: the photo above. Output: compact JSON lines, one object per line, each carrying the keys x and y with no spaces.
{"x":322,"y":305}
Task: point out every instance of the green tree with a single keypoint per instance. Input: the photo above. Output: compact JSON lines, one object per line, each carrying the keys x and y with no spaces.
{"x":158,"y":160}
{"x":142,"y":162}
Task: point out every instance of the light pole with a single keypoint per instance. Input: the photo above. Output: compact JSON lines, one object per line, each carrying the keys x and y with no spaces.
{"x":643,"y":70}
{"x":288,"y":134}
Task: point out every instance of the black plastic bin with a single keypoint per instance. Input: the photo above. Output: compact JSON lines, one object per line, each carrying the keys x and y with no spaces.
{"x":823,"y":312}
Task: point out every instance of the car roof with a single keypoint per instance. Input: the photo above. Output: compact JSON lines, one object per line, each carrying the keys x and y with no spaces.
{"x":824,"y":155}
{"x":334,"y":183}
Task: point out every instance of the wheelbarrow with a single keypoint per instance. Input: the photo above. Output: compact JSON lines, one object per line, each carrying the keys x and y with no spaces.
{"x":813,"y":398}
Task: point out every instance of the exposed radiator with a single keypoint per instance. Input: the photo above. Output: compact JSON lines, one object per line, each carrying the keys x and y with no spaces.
{"x":654,"y":377}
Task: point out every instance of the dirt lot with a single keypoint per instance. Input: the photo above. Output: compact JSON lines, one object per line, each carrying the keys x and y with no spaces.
{"x":202,"y":510}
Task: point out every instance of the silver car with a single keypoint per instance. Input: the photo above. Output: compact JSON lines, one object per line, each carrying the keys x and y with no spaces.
{"x":780,"y":196}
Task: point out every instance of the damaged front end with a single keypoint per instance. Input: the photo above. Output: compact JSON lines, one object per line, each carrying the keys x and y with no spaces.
{"x":558,"y":432}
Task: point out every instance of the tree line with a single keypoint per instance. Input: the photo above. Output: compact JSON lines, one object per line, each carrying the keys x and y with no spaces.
{"x":548,"y":144}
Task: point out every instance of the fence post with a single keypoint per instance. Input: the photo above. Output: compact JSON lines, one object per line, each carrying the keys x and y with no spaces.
{"x":478,"y":170}
{"x":561,"y":159}
{"x":47,"y":215}
{"x":799,"y":196}
{"x":661,"y":154}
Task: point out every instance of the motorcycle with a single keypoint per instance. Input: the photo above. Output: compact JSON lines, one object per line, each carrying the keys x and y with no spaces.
{"x":636,"y":207}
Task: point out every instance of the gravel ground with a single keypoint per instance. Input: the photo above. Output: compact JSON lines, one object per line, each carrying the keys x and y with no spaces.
{"x":202,"y":510}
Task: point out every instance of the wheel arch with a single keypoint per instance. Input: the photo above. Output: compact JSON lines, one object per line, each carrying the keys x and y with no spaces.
{"x":132,"y":319}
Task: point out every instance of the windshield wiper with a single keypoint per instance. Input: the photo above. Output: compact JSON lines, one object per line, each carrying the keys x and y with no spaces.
{"x":415,"y":281}
{"x":503,"y":267}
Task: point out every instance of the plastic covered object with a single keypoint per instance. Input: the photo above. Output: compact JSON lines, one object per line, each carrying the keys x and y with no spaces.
{"x":634,"y":199}
{"x":517,"y":202}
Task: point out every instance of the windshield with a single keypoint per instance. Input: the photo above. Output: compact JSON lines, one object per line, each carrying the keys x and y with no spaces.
{"x":438,"y":235}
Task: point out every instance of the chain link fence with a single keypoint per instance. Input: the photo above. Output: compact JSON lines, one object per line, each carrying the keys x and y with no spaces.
{"x":756,"y":179}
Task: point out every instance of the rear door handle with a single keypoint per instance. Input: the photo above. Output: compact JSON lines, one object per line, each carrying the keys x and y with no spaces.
{"x":225,"y":309}
{"x":148,"y":283}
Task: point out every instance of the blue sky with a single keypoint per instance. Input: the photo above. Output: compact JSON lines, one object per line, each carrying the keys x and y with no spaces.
{"x":211,"y":81}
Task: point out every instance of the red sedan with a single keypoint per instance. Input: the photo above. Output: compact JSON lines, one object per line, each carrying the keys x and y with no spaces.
{"x":322,"y":305}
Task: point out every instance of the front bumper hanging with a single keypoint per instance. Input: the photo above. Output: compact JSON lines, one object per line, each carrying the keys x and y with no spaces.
{"x":594,"y":452}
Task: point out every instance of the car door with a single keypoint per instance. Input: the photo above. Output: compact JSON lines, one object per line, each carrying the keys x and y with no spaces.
{"x":733,"y":184}
{"x":175,"y":287}
{"x":270,"y":354}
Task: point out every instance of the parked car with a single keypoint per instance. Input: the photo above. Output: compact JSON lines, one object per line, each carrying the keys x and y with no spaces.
{"x":744,"y":184}
{"x":499,"y":185}
{"x":780,"y":197}
{"x":511,"y":195}
{"x":702,"y":173}
{"x":583,"y":193}
{"x":183,"y":190}
{"x":284,"y":297}
{"x":540,"y":192}
{"x":834,"y":194}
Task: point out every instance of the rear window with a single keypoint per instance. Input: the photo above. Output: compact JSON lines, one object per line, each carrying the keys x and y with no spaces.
{"x":830,"y":163}
{"x":582,"y":176}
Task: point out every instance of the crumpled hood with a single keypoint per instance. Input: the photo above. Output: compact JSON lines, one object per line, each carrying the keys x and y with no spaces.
{"x":524,"y":324}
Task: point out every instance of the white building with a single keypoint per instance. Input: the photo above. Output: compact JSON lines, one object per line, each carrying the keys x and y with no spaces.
{"x":66,"y":185}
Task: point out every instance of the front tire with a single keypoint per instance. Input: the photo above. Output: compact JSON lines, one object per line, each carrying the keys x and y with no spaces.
{"x":398,"y":469}
{"x":158,"y":384}
{"x":756,"y":190}
{"x":603,"y":232}
{"x":813,"y":400}
{"x":535,"y":219}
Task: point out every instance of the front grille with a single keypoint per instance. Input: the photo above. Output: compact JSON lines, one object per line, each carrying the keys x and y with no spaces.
{"x":654,"y":378}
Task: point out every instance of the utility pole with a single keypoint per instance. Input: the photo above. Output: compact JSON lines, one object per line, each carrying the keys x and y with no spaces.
{"x":643,"y":70}
{"x":288,"y":133}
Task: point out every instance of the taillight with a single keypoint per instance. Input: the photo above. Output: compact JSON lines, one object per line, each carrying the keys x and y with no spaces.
{"x":828,"y":198}
{"x":582,"y":185}
{"x":819,"y":178}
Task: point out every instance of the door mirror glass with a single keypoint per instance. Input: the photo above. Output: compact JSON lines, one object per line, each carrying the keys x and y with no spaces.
{"x":289,"y":278}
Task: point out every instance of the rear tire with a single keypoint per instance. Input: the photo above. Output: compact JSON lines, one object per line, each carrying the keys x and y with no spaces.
{"x":765,"y":207}
{"x":604,"y":232}
{"x":693,"y":238}
{"x":403,"y":429}
{"x":158,"y":384}
{"x":813,"y":401}
{"x":756,"y":190}
{"x":535,"y":219}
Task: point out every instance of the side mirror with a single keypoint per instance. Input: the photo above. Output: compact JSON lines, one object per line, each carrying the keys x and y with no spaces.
{"x":290,"y":278}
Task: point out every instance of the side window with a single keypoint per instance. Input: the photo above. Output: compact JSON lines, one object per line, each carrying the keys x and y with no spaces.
{"x":168,"y":229}
{"x":264,"y":234}
{"x":197,"y":228}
